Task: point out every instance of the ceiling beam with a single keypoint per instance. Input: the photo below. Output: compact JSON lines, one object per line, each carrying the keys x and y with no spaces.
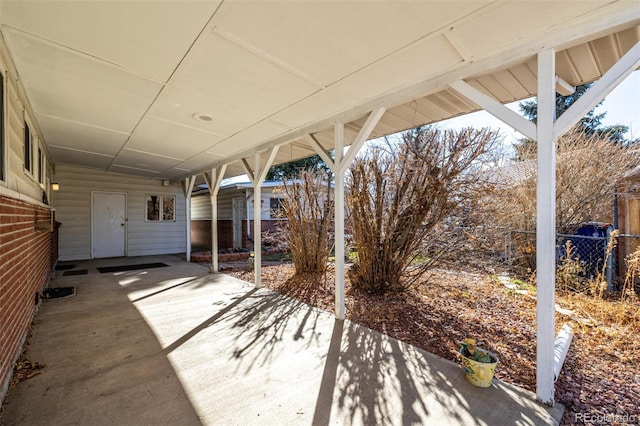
{"x":187,"y":185}
{"x":616,"y":15}
{"x":313,"y":142}
{"x":248,"y":170}
{"x":596,"y":93}
{"x":495,"y":108}
{"x":214,"y":178}
{"x":264,"y":169}
{"x":361,"y":138}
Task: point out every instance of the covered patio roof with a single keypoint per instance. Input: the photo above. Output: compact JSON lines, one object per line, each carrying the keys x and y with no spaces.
{"x":190,"y":90}
{"x":168,"y":90}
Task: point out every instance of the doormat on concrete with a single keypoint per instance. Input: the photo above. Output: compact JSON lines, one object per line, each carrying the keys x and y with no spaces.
{"x":58,"y":292}
{"x":122,"y":268}
{"x":65,"y":267}
{"x":76,"y":272}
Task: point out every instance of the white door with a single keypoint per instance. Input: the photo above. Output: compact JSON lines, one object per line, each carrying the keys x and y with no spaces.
{"x":238,"y":208}
{"x":108,"y":224}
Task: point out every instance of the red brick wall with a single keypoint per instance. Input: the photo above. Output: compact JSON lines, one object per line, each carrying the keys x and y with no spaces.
{"x":201,"y":232}
{"x":26,"y":261}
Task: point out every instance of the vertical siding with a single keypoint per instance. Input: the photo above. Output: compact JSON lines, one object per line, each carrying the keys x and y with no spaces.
{"x":73,"y":210}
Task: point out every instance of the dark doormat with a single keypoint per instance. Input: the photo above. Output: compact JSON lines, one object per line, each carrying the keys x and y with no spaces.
{"x":76,"y":272}
{"x":65,"y":267}
{"x":122,"y":268}
{"x":58,"y":292}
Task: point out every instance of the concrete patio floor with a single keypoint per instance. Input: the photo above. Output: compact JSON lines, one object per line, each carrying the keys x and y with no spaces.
{"x":179,"y":346}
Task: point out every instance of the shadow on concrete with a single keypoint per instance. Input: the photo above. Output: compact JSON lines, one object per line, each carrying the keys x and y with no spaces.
{"x":178,"y":347}
{"x":369,"y":378}
{"x":209,"y":321}
{"x":104,"y":365}
{"x":267,"y":320}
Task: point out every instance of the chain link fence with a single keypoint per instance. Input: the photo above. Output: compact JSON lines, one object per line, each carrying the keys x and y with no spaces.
{"x":589,"y":250}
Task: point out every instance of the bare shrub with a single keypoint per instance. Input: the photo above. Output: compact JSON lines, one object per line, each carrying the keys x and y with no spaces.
{"x":588,"y":167}
{"x":631,"y":278}
{"x":308,"y":208}
{"x":404,"y":197}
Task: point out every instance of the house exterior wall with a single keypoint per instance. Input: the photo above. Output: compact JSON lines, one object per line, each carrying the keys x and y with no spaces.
{"x":201,"y":204}
{"x":25,"y":268}
{"x":27,"y":239}
{"x":73,"y":209}
{"x":201,"y":217}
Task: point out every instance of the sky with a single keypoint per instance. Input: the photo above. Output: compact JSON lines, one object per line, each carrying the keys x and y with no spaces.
{"x":622,"y":106}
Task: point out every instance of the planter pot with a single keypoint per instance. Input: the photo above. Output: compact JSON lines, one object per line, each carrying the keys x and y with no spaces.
{"x":479,"y":373}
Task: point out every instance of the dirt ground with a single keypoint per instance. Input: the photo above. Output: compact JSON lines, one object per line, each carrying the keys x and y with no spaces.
{"x":599,"y":380}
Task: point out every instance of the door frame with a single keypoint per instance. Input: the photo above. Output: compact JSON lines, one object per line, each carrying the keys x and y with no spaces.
{"x":126,"y":221}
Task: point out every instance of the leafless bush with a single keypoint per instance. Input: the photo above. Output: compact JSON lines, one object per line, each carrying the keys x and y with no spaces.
{"x":404,"y":198}
{"x":308,"y":207}
{"x":587,"y":170}
{"x":629,"y":288}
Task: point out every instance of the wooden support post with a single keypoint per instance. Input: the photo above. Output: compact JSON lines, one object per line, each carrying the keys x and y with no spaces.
{"x":214,"y":182}
{"x":339,"y":220}
{"x":341,"y":164}
{"x":259,"y":174}
{"x":188,"y":188}
{"x":546,"y":228}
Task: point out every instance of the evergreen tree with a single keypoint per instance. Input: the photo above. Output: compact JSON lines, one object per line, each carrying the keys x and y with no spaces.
{"x":591,"y":123}
{"x":292,"y":169}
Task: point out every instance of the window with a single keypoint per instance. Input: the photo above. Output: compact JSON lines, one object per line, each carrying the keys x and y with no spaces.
{"x":28,"y":144}
{"x":276,"y":208}
{"x":2,"y":115}
{"x":161,"y":208}
{"x":40,"y":166}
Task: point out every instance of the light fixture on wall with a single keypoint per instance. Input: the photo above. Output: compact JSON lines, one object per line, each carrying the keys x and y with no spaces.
{"x":55,"y":186}
{"x":165,"y":182}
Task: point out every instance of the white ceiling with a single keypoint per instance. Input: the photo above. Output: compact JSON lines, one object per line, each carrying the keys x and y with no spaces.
{"x":116,"y":85}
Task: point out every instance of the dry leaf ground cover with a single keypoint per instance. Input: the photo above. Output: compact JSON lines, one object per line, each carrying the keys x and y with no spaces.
{"x":599,"y":381}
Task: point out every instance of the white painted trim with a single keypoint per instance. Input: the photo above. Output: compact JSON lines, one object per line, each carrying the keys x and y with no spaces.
{"x":257,"y":222}
{"x":546,"y":228}
{"x":338,"y":189}
{"x":188,"y":184}
{"x":612,"y":15}
{"x":342,"y":162}
{"x":265,"y":169}
{"x":4,"y":144}
{"x":494,"y":107}
{"x":248,"y":170}
{"x":313,"y":143}
{"x":260,"y":172}
{"x":10,"y":193}
{"x":361,"y":138}
{"x":596,"y":93}
{"x":214,"y":186}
